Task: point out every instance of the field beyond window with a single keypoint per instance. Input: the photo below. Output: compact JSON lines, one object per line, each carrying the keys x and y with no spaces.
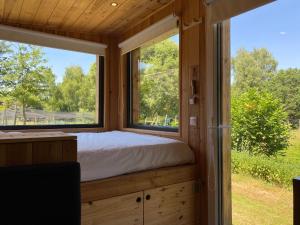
{"x":44,"y":86}
{"x":155,"y":84}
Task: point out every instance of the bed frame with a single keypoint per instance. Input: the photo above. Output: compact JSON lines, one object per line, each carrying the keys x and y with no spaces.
{"x":153,"y":197}
{"x":135,"y":182}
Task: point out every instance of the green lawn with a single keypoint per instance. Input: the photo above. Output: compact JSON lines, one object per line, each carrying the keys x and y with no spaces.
{"x":256,"y":202}
{"x":293,"y":152}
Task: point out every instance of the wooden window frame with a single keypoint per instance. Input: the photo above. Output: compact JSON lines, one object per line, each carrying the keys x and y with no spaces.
{"x":168,"y":131}
{"x":100,"y":108}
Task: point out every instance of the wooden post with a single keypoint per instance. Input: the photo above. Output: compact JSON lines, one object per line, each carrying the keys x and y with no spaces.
{"x":296,"y":188}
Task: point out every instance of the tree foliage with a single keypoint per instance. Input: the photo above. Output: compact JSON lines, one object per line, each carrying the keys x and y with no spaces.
{"x":259,"y":123}
{"x":24,"y":80}
{"x":286,"y":87}
{"x":159,"y":85}
{"x":252,"y":69}
{"x":27,"y":82}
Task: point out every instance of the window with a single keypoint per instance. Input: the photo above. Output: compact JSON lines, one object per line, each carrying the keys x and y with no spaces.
{"x":153,"y":87}
{"x":43,"y":87}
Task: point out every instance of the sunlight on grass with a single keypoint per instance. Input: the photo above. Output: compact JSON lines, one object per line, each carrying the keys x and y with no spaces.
{"x":293,"y":152}
{"x":258,"y":203}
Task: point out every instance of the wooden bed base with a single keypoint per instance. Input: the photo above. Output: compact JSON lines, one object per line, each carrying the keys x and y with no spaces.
{"x":135,"y":182}
{"x":157,"y":197}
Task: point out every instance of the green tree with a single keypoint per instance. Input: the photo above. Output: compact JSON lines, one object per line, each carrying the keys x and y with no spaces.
{"x":70,"y":89}
{"x":252,"y":69}
{"x":286,"y":87}
{"x":88,"y":90}
{"x":259,"y":123}
{"x":159,"y":81}
{"x":5,"y":101}
{"x":26,"y":78}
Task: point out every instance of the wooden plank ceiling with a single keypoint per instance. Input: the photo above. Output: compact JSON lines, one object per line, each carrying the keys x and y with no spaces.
{"x":81,"y":16}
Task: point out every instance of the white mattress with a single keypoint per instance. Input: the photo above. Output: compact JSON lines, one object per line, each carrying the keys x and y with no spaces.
{"x":108,"y":154}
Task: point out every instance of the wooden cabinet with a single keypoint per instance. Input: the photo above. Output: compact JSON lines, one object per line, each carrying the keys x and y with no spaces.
{"x":173,"y":204}
{"x":168,"y":205}
{"x":126,"y":209}
{"x":36,"y":148}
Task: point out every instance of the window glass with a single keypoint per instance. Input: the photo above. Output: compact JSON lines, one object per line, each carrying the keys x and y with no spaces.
{"x":154,"y":84}
{"x":45,"y":86}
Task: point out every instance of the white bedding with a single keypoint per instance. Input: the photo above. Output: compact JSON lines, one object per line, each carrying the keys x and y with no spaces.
{"x":108,"y":154}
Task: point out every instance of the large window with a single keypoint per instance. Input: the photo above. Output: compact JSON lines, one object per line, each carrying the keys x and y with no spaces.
{"x":153,"y":75}
{"x":49,"y":88}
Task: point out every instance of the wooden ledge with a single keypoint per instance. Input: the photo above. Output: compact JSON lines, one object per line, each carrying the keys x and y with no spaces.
{"x":17,"y":137}
{"x":135,"y":182}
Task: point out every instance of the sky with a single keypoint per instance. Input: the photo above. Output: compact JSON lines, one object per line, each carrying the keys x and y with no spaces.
{"x":275,"y":26}
{"x":59,"y":59}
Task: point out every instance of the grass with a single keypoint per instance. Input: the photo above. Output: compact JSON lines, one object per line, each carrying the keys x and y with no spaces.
{"x":293,"y":152}
{"x":256,"y":202}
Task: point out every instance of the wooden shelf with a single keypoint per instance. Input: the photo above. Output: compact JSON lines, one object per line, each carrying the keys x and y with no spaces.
{"x":16,"y":137}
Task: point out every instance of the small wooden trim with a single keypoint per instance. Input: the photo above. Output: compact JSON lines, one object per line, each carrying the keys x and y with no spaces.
{"x":135,"y":182}
{"x":195,"y":22}
{"x":296,"y":187}
{"x":15,"y":137}
{"x":64,"y":130}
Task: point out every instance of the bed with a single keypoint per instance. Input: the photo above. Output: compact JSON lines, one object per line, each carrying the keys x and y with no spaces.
{"x":109,"y":154}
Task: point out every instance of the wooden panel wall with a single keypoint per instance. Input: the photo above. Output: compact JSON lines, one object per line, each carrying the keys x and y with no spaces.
{"x":27,"y":149}
{"x":193,"y":67}
{"x":112,"y":82}
{"x":226,"y":122}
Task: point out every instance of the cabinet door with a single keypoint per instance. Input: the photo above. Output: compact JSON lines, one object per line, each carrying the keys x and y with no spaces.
{"x":170,"y":205}
{"x":121,"y":210}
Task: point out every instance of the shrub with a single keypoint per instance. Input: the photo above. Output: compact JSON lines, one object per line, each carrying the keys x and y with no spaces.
{"x":259,"y":124}
{"x":270,"y":169}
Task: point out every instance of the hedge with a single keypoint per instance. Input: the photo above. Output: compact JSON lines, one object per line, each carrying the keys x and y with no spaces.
{"x":270,"y":169}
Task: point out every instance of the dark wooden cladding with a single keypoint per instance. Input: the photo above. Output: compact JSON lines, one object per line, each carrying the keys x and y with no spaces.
{"x":296,"y":187}
{"x":30,"y":148}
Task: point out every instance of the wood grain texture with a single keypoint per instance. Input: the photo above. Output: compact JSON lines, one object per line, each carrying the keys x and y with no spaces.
{"x":69,"y":151}
{"x":173,"y":204}
{"x":226,"y":121}
{"x":114,"y":211}
{"x":47,"y":152}
{"x":113,"y":62}
{"x":296,"y":200}
{"x":27,"y":149}
{"x":84,"y":16}
{"x":106,"y":188}
{"x":2,"y":154}
{"x":16,"y":154}
{"x":34,"y":136}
